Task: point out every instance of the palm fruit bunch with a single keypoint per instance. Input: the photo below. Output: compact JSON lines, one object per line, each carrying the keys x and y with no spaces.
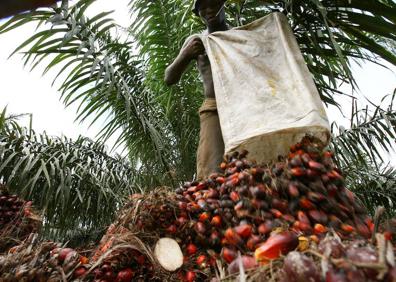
{"x":17,"y":219}
{"x":37,"y":261}
{"x":335,"y":260}
{"x":121,"y":253}
{"x":123,"y":261}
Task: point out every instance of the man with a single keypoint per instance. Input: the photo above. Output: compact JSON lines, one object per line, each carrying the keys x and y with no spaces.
{"x":211,"y":146}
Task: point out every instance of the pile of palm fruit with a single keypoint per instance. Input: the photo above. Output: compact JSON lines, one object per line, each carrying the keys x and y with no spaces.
{"x":293,"y":220}
{"x":251,"y":215}
{"x":17,"y":219}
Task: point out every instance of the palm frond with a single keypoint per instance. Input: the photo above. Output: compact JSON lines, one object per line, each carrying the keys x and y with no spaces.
{"x":99,"y":72}
{"x":371,"y":135}
{"x":76,"y":183}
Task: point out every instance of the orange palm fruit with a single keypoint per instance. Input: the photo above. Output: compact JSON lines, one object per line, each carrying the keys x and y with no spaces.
{"x":276,"y":245}
{"x":232,"y":237}
{"x":319,"y":228}
{"x":244,"y":230}
{"x":228,"y":255}
{"x":216,"y":221}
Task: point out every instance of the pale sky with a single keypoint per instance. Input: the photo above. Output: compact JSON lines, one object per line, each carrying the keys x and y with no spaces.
{"x":29,"y":92}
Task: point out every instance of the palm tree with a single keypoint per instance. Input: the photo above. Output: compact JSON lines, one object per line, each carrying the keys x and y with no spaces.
{"x":118,"y":72}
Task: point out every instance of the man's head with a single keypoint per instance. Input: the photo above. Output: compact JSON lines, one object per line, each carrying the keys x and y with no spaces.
{"x":211,"y":11}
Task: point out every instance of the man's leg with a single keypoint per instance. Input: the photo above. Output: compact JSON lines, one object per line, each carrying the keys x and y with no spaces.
{"x":211,"y":146}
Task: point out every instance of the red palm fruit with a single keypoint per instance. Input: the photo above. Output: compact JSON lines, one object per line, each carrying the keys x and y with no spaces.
{"x":350,"y":195}
{"x":312,"y":173}
{"x":328,"y":154}
{"x":181,"y":220}
{"x":325,"y":178}
{"x":223,"y":165}
{"x":259,"y":204}
{"x":347,"y":228}
{"x":300,"y":268}
{"x":296,"y":161}
{"x":172,"y":229}
{"x":63,"y":253}
{"x":334,"y":276}
{"x":265,"y":227}
{"x":80,"y":271}
{"x":201,"y":203}
{"x":125,"y":275}
{"x":232,"y":237}
{"x":200,"y":228}
{"x":253,"y":241}
{"x":298,"y":171}
{"x":192,"y":190}
{"x":319,"y":229}
{"x":212,"y":194}
{"x":192,"y":207}
{"x":388,"y":235}
{"x":201,"y":186}
{"x":335,"y":222}
{"x":315,"y":197}
{"x":197,"y":196}
{"x":281,"y":205}
{"x":216,"y":221}
{"x":306,"y":204}
{"x":370,"y":224}
{"x":203,"y":217}
{"x":190,"y":276}
{"x":334,"y":175}
{"x":244,"y":230}
{"x":276,"y":245}
{"x":293,"y":190}
{"x":182,"y":205}
{"x":276,"y":213}
{"x":141,"y":259}
{"x":363,"y":230}
{"x":201,"y":261}
{"x":306,"y":158}
{"x":220,"y":180}
{"x":109,"y":275}
{"x":228,"y":255}
{"x":247,"y":262}
{"x":191,"y":249}
{"x":214,"y":238}
{"x":304,"y":227}
{"x":316,"y":216}
{"x":289,"y":218}
{"x":332,"y":190}
{"x":316,"y":166}
{"x":302,"y":217}
{"x":234,"y":196}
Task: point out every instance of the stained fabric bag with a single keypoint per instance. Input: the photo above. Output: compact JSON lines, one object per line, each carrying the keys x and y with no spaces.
{"x":266,"y":97}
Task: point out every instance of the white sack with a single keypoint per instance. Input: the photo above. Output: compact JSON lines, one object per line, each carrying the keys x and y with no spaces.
{"x":265,"y":95}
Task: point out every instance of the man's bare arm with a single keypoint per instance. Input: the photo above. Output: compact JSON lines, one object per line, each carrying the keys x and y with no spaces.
{"x":191,"y":51}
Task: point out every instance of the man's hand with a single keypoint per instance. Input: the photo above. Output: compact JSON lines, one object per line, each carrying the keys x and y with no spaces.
{"x":193,"y":49}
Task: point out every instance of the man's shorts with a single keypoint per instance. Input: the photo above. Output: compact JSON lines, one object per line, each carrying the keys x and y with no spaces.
{"x":211,"y":146}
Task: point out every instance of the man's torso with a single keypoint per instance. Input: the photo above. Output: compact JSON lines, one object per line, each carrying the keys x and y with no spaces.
{"x":205,"y":71}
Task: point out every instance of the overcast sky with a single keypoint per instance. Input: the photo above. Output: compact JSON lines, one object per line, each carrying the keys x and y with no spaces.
{"x":29,"y":92}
